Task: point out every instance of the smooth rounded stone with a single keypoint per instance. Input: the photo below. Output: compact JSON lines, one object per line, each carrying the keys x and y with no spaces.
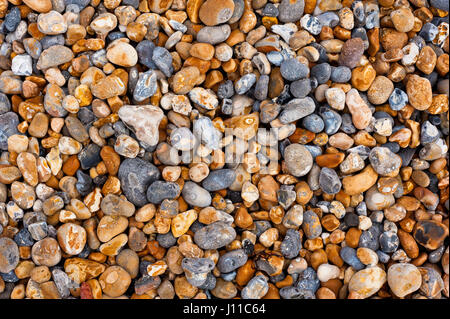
{"x":23,"y":194}
{"x":182,"y":139}
{"x":114,"y":281}
{"x":313,"y":123}
{"x":214,"y":12}
{"x":135,"y":176}
{"x":322,"y":72}
{"x":205,"y":98}
{"x":367,"y":282}
{"x":54,"y":56}
{"x":115,"y":205}
{"x":195,"y":195}
{"x":329,"y":181}
{"x":46,"y":252}
{"x":292,"y":69}
{"x":256,"y":288}
{"x":298,"y":159}
{"x":291,"y":10}
{"x":9,"y":255}
{"x":215,"y":235}
{"x":275,"y":58}
{"x":110,"y":226}
{"x":419,"y":92}
{"x":430,"y":234}
{"x":340,"y":74}
{"x":160,"y":190}
{"x":144,"y":119}
{"x":22,"y":65}
{"x":51,"y":23}
{"x":122,"y":53}
{"x":404,"y":279}
{"x":335,"y":98}
{"x":245,"y":83}
{"x":214,"y":35}
{"x":8,"y":127}
{"x":428,"y":133}
{"x":297,"y":109}
{"x":205,"y":131}
{"x":163,"y":60}
{"x":146,"y":86}
{"x":389,"y":242}
{"x":348,"y":254}
{"x":219,"y":179}
{"x":166,"y":240}
{"x":300,"y":88}
{"x":351,"y":52}
{"x":398,"y":99}
{"x":232,"y":260}
{"x":311,"y":225}
{"x":76,"y":129}
{"x":327,"y":272}
{"x":291,"y":244}
{"x":384,"y":162}
{"x":71,"y":238}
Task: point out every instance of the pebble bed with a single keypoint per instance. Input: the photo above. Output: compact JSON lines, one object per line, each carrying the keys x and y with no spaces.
{"x":119,"y":177}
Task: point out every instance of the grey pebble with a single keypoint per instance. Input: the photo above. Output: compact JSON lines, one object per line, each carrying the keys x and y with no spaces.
{"x":135,"y":176}
{"x":232,"y":260}
{"x":219,"y":179}
{"x":329,"y":181}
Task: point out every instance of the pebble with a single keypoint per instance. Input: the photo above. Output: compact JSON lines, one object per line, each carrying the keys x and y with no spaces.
{"x":214,"y":236}
{"x":292,"y":70}
{"x":404,"y":279}
{"x":135,"y":176}
{"x":367,"y":282}
{"x":232,"y":260}
{"x":9,"y":253}
{"x":298,"y":159}
{"x":195,"y":195}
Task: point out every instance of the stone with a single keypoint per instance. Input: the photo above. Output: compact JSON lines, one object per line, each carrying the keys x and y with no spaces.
{"x":54,"y":56}
{"x":9,"y":255}
{"x":71,"y":238}
{"x":367,"y":282}
{"x":419,"y":92}
{"x":292,"y":70}
{"x":296,"y":109}
{"x":214,"y":236}
{"x":298,"y":159}
{"x":351,"y":52}
{"x":144,"y":119}
{"x":195,"y":195}
{"x":403,"y":279}
{"x":214,"y":12}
